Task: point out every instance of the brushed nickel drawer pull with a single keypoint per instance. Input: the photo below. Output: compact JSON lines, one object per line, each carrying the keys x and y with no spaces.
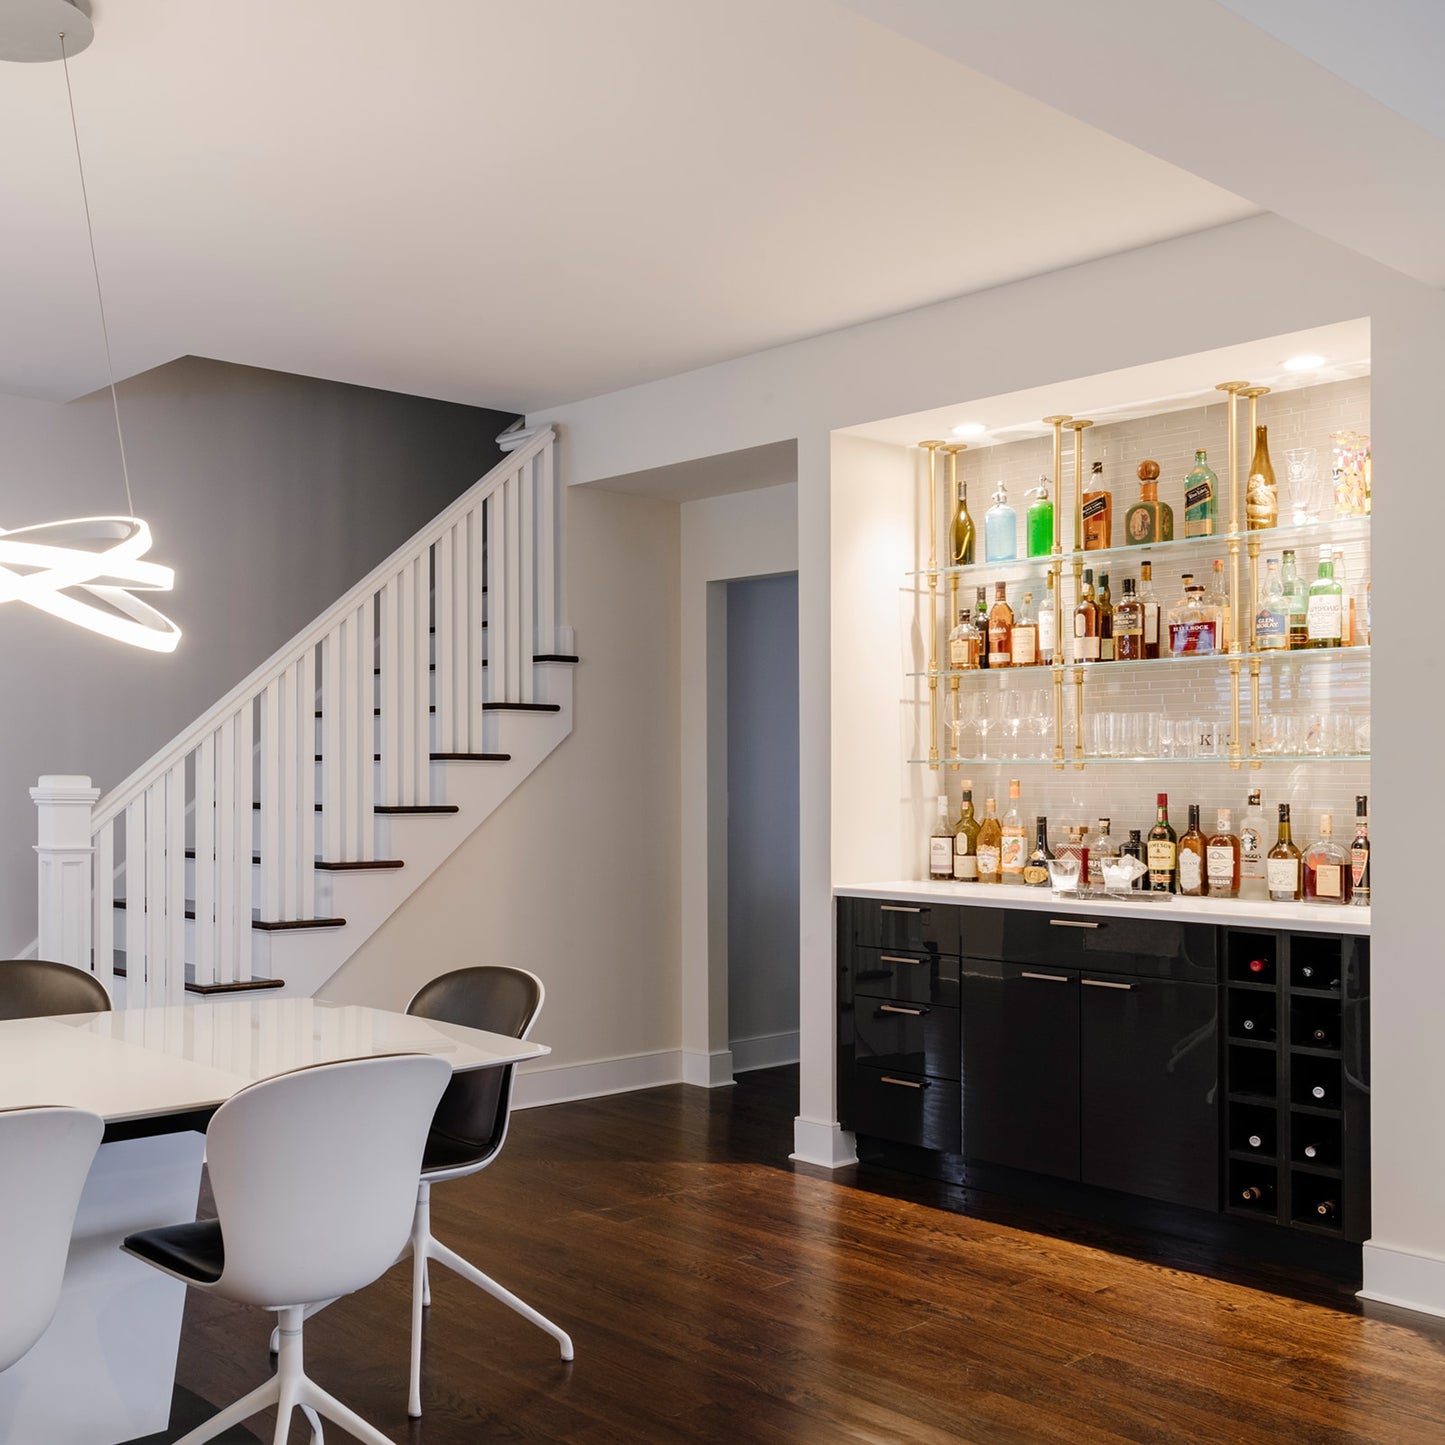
{"x":898,"y":958}
{"x":1104,"y":983}
{"x":1072,"y":923}
{"x":1048,"y":977}
{"x":892,"y":1008}
{"x":904,"y":1083}
{"x":898,"y":908}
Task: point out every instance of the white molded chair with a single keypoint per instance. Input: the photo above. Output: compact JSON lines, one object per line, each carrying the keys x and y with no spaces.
{"x":45,"y":1156}
{"x":314,"y":1175}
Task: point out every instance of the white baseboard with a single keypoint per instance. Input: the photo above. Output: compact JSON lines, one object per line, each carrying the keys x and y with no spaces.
{"x":707,"y":1071}
{"x":561,"y":1083}
{"x":826,"y":1145}
{"x":765,"y":1051}
{"x":1398,"y":1277}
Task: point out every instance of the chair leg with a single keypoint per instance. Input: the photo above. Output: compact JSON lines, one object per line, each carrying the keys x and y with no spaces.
{"x":318,"y":1399}
{"x":248,"y":1405}
{"x":312,"y":1309}
{"x":420,"y":1234}
{"x":318,"y":1436}
{"x":454,"y":1262}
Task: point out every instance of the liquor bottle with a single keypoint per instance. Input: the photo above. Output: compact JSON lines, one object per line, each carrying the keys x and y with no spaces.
{"x":1282,"y":867}
{"x":1298,"y":599}
{"x":1326,"y":867}
{"x":1271,"y":622}
{"x":1319,"y":1151}
{"x":1014,"y":838}
{"x":1086,"y":622}
{"x":1149,"y":519}
{"x":1201,"y":490}
{"x":1048,"y":626}
{"x":1323,"y":619}
{"x":1162,"y":853}
{"x":990,"y":845}
{"x":1322,"y":1094}
{"x":1256,"y":1028}
{"x":1259,"y":1195}
{"x":1129,"y":626}
{"x":1222,"y":857}
{"x":965,"y":839}
{"x":966,"y":645}
{"x":1259,"y":967}
{"x":1000,"y":629}
{"x":1098,"y":509}
{"x":1150,"y":603}
{"x":1105,"y":848}
{"x":1191,"y":857}
{"x":1327,"y":1211}
{"x":1134,"y":848}
{"x":980,"y":621}
{"x":1191,"y":626}
{"x":960,"y":530}
{"x":1039,"y":521}
{"x":1036,"y":866}
{"x":1360,"y":855}
{"x":1024,"y":648}
{"x":1261,"y":492}
{"x":1216,"y":604}
{"x":1000,"y":529}
{"x":1077,"y":846}
{"x":1348,"y":636}
{"x":1106,"y":620}
{"x":940,"y":845}
{"x":1252,"y":870}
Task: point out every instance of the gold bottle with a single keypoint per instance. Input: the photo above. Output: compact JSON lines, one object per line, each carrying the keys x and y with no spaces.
{"x":1261,"y":495}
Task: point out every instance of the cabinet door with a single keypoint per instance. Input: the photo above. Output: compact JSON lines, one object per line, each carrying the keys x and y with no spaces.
{"x":1020,"y":1066}
{"x":1149,"y":1084}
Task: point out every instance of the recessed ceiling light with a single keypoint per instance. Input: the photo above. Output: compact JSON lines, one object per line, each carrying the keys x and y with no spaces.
{"x":1304,"y":363}
{"x":969,"y":429}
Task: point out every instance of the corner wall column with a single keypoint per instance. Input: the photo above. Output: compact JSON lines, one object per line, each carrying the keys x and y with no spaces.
{"x":64,"y":801}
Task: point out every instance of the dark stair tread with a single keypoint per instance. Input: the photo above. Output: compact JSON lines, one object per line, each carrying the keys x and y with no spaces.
{"x":316,"y":807}
{"x":269,"y":925}
{"x":471,"y":757}
{"x":375,"y":712}
{"x":331,"y":867}
{"x":521,"y":707}
{"x":416,"y":808}
{"x":556,"y":657}
{"x":204,"y":989}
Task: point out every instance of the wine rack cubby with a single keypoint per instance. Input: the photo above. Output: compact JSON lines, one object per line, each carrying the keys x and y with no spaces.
{"x":1296,"y":1046}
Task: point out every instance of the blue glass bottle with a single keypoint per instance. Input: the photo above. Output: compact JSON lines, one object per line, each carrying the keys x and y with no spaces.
{"x":1000,"y":529}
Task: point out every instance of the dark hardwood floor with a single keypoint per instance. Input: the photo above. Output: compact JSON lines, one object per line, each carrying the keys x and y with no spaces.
{"x":717,"y":1293}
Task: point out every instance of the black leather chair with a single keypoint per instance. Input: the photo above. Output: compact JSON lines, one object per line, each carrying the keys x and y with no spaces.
{"x":31,"y":988}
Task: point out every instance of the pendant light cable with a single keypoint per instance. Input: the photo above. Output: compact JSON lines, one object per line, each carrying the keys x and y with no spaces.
{"x":95,"y":269}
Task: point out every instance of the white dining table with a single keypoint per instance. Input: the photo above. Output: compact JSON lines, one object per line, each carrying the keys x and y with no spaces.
{"x":104,"y":1371}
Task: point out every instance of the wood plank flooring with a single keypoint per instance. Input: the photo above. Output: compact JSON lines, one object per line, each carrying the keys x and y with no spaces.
{"x":717,"y":1293}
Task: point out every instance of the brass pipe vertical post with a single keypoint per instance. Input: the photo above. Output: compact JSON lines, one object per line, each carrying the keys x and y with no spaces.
{"x":1233,"y":388}
{"x":1078,"y":718}
{"x":1254,"y":393}
{"x":1235,"y":751}
{"x":1058,"y":673}
{"x":1077,"y":425}
{"x":1056,"y":573}
{"x":1254,"y":759}
{"x":953,"y":449}
{"x":1253,"y":547}
{"x":1057,"y":422}
{"x":931,"y":447}
{"x":1078,"y":428}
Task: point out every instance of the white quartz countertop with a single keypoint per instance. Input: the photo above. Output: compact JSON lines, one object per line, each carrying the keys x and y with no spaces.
{"x":1302,"y":917}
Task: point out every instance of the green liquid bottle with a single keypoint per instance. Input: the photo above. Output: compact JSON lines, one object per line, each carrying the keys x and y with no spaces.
{"x":1039,"y":523}
{"x":1201,"y":498}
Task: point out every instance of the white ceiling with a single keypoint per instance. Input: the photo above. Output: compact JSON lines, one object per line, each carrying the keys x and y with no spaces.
{"x":521,"y":202}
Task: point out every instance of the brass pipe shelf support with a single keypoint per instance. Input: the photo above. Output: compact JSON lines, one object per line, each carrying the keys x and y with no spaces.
{"x":931,"y":447}
{"x":1233,"y":388}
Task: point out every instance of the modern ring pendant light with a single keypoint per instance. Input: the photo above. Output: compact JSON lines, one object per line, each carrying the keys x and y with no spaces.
{"x":85,"y":570}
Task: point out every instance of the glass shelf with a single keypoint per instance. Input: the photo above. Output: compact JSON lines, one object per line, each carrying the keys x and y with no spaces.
{"x":1339,"y":530}
{"x":1336,"y":656}
{"x":1265,"y":760}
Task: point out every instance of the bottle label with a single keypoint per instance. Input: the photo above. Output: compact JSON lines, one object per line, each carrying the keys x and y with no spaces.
{"x":1191,"y":639}
{"x":1359,"y":861}
{"x":1096,"y":506}
{"x":1151,"y":625}
{"x":1086,"y":648}
{"x":1035,"y":873}
{"x":958,"y":651}
{"x":1329,"y":882}
{"x":1271,"y":628}
{"x":987,"y":860}
{"x":1047,"y":640}
{"x":1012,"y":857}
{"x":1161,"y":855}
{"x":1023,"y":647}
{"x":1322,"y":620}
{"x":1283,"y":875}
{"x":1128,"y":624}
{"x":1190,"y":873}
{"x":1199,"y":496}
{"x":940,"y":857}
{"x":1219,"y":863}
{"x":965,"y":866}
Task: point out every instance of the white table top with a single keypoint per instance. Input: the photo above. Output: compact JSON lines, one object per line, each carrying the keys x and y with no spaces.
{"x":146,"y":1062}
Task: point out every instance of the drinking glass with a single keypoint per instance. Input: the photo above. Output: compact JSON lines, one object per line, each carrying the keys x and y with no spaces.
{"x":1304,"y":501}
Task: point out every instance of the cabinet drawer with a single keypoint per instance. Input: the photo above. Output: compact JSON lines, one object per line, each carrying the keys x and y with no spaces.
{"x":906,"y":1108}
{"x":916,"y":927}
{"x":917,"y":1038}
{"x":1154,"y":947}
{"x":912,"y":976}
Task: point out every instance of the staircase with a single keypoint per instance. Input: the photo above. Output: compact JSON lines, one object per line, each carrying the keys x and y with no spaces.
{"x":271,"y":839}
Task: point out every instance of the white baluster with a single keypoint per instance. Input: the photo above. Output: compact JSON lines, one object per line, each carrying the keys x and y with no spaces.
{"x":155,"y":893}
{"x":476,"y":611}
{"x":103,"y":903}
{"x":332,"y":706}
{"x":546,"y":551}
{"x":241,"y":846}
{"x":289,"y":819}
{"x":444,"y":673}
{"x":204,"y":866}
{"x":135,"y":900}
{"x":498,"y":581}
{"x":227,"y":789}
{"x":174,"y":980}
{"x":303,"y":869}
{"x":271,"y":791}
{"x":459,"y":660}
{"x":391,"y":764}
{"x":526,"y":579}
{"x":358,"y":732}
{"x":512,"y":600}
{"x":65,"y":849}
{"x":419,"y":758}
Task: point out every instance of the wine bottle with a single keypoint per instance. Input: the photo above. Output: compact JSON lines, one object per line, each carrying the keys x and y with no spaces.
{"x":1191,"y":857}
{"x":1255,"y":1141}
{"x":1259,"y":965}
{"x":1260,"y":1194}
{"x":1036,"y":868}
{"x":1221,"y":858}
{"x":965,"y":839}
{"x":1317,"y":1151}
{"x":1360,"y":854}
{"x":940,"y":846}
{"x":1261,"y":493}
{"x":1328,"y":1211}
{"x":960,"y":531}
{"x":1015,"y":838}
{"x":990,"y":845}
{"x":1257,"y":1029}
{"x":1283,"y":864}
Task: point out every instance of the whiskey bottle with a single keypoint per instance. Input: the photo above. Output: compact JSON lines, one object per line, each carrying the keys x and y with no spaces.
{"x":965,"y":839}
{"x":1000,"y":629}
{"x":1036,"y":868}
{"x":1216,"y":605}
{"x":1282,"y":867}
{"x":1324,"y":626}
{"x":1149,"y":601}
{"x":1261,"y":492}
{"x":1191,"y":857}
{"x":966,"y":645}
{"x":1271,"y":622}
{"x":1014,"y":838}
{"x":1000,"y":529}
{"x":1360,"y":855}
{"x":1024,"y":648}
{"x":1222,"y":858}
{"x":990,"y":845}
{"x":1048,"y":626}
{"x":1201,"y":489}
{"x":1252,"y":871}
{"x":1191,"y":627}
{"x":940,"y":845}
{"x":1039,"y":521}
{"x":1133,"y":847}
{"x":1106,"y":620}
{"x":1298,"y":600}
{"x":1149,"y":519}
{"x":1129,"y":626}
{"x":960,"y":530}
{"x":1086,"y":623}
{"x":980,"y":621}
{"x":1162,"y":851}
{"x":1326,"y":867}
{"x":1098,"y":509}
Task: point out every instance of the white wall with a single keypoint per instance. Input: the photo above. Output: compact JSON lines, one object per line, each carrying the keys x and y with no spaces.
{"x":576,"y":875}
{"x":269,"y":495}
{"x":1256,"y":278}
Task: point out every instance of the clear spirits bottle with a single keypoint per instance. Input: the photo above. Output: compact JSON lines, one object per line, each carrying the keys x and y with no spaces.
{"x":1024,"y":648}
{"x":1271,"y":622}
{"x":1163,"y":857}
{"x":940,"y":845}
{"x":1222,"y":858}
{"x":1201,"y":490}
{"x":1133,"y":847}
{"x":965,"y":645}
{"x":1048,"y":626}
{"x":1326,"y":867}
{"x":1015,"y":838}
{"x":1297,"y":597}
{"x":1149,"y":601}
{"x":1191,"y":857}
{"x":1261,"y":492}
{"x":1324,"y":621}
{"x":1086,"y":622}
{"x":1282,"y":867}
{"x":1129,"y":626}
{"x":1360,"y":855}
{"x":1039,"y":521}
{"x":1000,"y":529}
{"x":1036,"y":868}
{"x":1216,"y":602}
{"x":1000,"y":629}
{"x":1191,"y":627}
{"x":1252,"y":871}
{"x":965,"y":839}
{"x":1106,"y":847}
{"x":990,"y":844}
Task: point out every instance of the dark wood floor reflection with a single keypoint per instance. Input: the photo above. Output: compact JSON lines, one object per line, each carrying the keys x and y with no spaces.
{"x":717,"y":1293}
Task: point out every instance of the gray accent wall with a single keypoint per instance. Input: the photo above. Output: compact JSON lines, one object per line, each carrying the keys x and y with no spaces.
{"x":269,"y":494}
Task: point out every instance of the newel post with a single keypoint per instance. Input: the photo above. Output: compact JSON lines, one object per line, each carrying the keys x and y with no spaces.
{"x":65,"y":801}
